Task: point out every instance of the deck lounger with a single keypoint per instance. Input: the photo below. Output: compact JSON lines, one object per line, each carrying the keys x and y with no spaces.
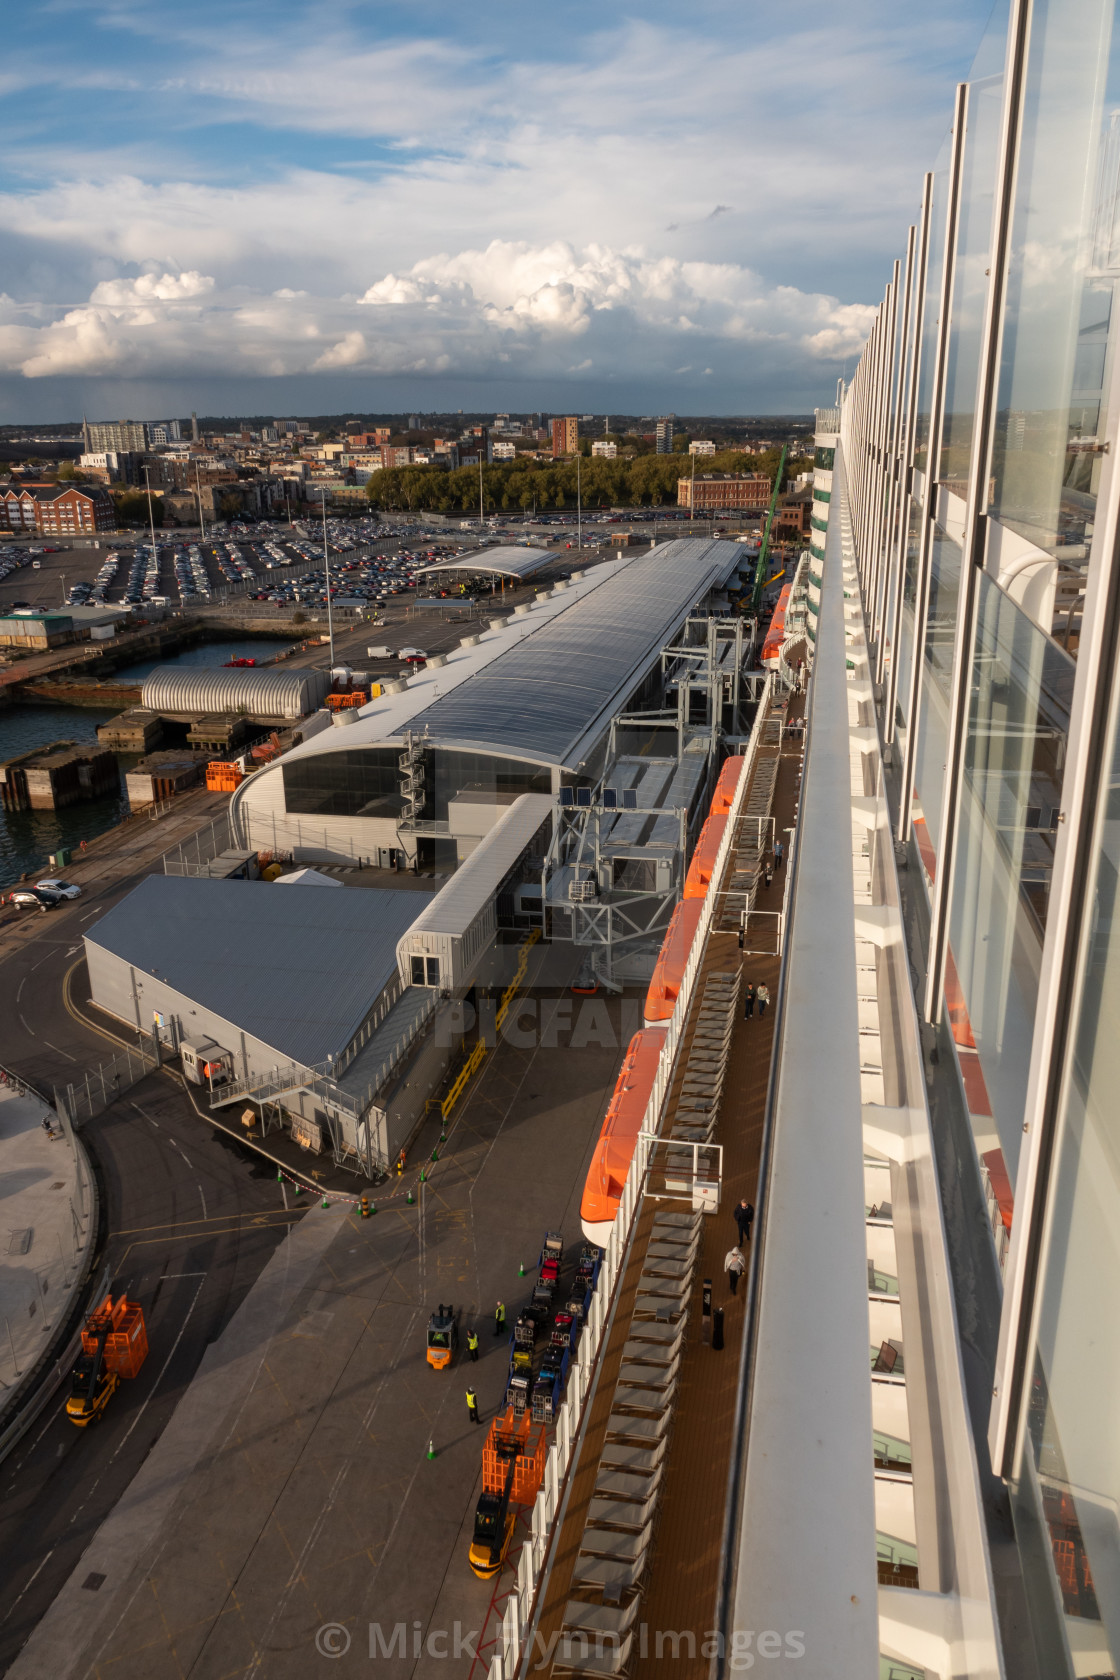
{"x":644,"y":1430}
{"x":672,"y":1289}
{"x":670,"y":1270}
{"x":618,"y":1484}
{"x":617,"y":1513}
{"x":621,"y":1455}
{"x":671,"y":1250}
{"x":658,"y":1335}
{"x":613,"y":1576}
{"x":679,"y":1221}
{"x":655,"y":1400}
{"x":615,"y":1543}
{"x":653,"y":1354}
{"x":606,"y":1659}
{"x":659,"y":1307}
{"x":635,"y":1375}
{"x":601,"y":1618}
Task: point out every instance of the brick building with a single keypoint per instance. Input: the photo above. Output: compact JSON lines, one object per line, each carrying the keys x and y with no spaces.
{"x":19,"y":508}
{"x":565,"y":436}
{"x":66,"y":511}
{"x":725,"y":493}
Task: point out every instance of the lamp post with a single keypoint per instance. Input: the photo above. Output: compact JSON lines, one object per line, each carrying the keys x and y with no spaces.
{"x":327,"y":570}
{"x":151,"y":514}
{"x":579,"y":503}
{"x":198,"y":490}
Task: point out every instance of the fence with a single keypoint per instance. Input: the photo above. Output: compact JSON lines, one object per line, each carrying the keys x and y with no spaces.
{"x":104,"y":1084}
{"x":513,"y":1642}
{"x":192,"y":856}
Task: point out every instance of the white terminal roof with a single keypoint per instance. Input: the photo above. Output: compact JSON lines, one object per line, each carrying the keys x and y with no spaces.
{"x":541,"y":686}
{"x":504,"y":558}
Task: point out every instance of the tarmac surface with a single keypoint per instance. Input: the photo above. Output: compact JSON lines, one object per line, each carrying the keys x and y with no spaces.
{"x":178,"y":1199}
{"x":293,"y":1490}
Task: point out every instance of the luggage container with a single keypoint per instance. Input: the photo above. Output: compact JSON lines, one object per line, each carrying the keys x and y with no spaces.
{"x":517,"y":1394}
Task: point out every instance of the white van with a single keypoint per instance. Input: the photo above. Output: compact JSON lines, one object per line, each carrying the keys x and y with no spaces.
{"x":378,"y":653}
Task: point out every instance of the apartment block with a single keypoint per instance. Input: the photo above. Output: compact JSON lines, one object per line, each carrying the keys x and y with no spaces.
{"x":565,"y":436}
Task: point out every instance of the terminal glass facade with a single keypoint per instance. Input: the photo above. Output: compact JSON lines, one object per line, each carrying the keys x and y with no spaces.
{"x":1011,"y":787}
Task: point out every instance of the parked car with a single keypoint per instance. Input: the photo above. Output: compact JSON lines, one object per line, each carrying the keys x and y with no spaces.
{"x":33,"y":898}
{"x":64,"y":889}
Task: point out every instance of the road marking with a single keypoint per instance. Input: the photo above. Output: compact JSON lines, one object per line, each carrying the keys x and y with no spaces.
{"x":180,"y":1224}
{"x":142,"y":1114}
{"x":159,"y":1379}
{"x":88,"y":914}
{"x":205,"y":1215}
{"x":57,"y":1048}
{"x":30,"y":1583}
{"x":22,"y":984}
{"x":168,"y":1276}
{"x":24,"y":1025}
{"x":72,"y":949}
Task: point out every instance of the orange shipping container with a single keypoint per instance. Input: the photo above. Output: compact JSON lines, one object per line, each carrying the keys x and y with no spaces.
{"x":529,"y":1438}
{"x":223,"y":778}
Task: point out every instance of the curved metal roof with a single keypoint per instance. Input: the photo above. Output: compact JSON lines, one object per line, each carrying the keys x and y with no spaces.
{"x":542,"y":697}
{"x":290,"y":691}
{"x":505,"y":559}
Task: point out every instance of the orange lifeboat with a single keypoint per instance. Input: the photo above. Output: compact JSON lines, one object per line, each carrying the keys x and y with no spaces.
{"x":776,"y":635}
{"x":699,"y":877}
{"x":668,"y":974}
{"x":606,"y":1177}
{"x":724,"y":795}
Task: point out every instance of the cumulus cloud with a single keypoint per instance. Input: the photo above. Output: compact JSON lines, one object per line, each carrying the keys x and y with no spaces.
{"x":461,"y":312}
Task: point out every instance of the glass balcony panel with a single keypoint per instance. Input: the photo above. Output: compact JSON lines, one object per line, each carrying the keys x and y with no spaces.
{"x":1065,"y":262}
{"x":1021,"y":690}
{"x":933,"y":705}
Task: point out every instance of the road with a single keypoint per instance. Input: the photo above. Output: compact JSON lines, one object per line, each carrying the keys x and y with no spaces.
{"x":192,"y":1220}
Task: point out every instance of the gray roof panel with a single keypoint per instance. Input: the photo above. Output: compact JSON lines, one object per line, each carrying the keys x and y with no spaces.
{"x":543,"y":696}
{"x":298,"y":970}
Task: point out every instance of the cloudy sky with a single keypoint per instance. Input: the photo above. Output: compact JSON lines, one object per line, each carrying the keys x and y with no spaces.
{"x":284,"y":207}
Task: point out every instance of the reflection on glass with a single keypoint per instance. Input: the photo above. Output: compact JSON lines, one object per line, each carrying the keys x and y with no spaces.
{"x":970,"y":276}
{"x":1018,"y":724}
{"x":933,"y":704}
{"x":1065,"y":261}
{"x":1070,"y":1429}
{"x":906,"y":625}
{"x":935,"y":266}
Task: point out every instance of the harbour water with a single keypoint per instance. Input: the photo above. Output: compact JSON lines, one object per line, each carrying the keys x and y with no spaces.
{"x":205,"y":656}
{"x":27,"y":838}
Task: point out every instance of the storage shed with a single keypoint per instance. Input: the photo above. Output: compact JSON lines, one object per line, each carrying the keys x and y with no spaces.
{"x":286,"y":692}
{"x":447,"y":941}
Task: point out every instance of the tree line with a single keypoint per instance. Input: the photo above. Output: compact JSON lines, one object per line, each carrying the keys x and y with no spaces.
{"x":537,"y":486}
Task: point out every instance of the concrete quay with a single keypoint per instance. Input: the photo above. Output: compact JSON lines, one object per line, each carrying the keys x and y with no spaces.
{"x":48,"y":1229}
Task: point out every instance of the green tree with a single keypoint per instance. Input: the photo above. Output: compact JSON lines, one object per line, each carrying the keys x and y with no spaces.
{"x":132,"y":507}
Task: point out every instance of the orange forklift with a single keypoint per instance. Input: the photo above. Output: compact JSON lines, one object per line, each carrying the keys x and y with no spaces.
{"x":443,"y":1337}
{"x":114,"y":1345}
{"x":512,"y":1472}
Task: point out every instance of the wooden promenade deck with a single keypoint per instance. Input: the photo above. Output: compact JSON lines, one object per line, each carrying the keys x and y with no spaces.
{"x":679,"y":1587}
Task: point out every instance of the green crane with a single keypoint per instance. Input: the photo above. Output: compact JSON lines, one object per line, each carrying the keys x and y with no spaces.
{"x":764,"y":551}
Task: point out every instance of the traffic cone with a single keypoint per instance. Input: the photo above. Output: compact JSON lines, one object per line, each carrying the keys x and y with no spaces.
{"x":443,"y":1137}
{"x":365,"y":1207}
{"x":431,"y":1449}
{"x":298,"y":1188}
{"x":521,"y":1271}
{"x":435,"y":1155}
{"x":325,"y":1202}
{"x":411,"y":1199}
{"x":423,"y":1177}
{"x":279,"y":1176}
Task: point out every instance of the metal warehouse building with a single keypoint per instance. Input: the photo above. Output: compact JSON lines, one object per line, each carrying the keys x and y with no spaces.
{"x":286,"y":692}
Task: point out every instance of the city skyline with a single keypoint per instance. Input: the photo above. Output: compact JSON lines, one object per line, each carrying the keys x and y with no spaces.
{"x":339,"y":212}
